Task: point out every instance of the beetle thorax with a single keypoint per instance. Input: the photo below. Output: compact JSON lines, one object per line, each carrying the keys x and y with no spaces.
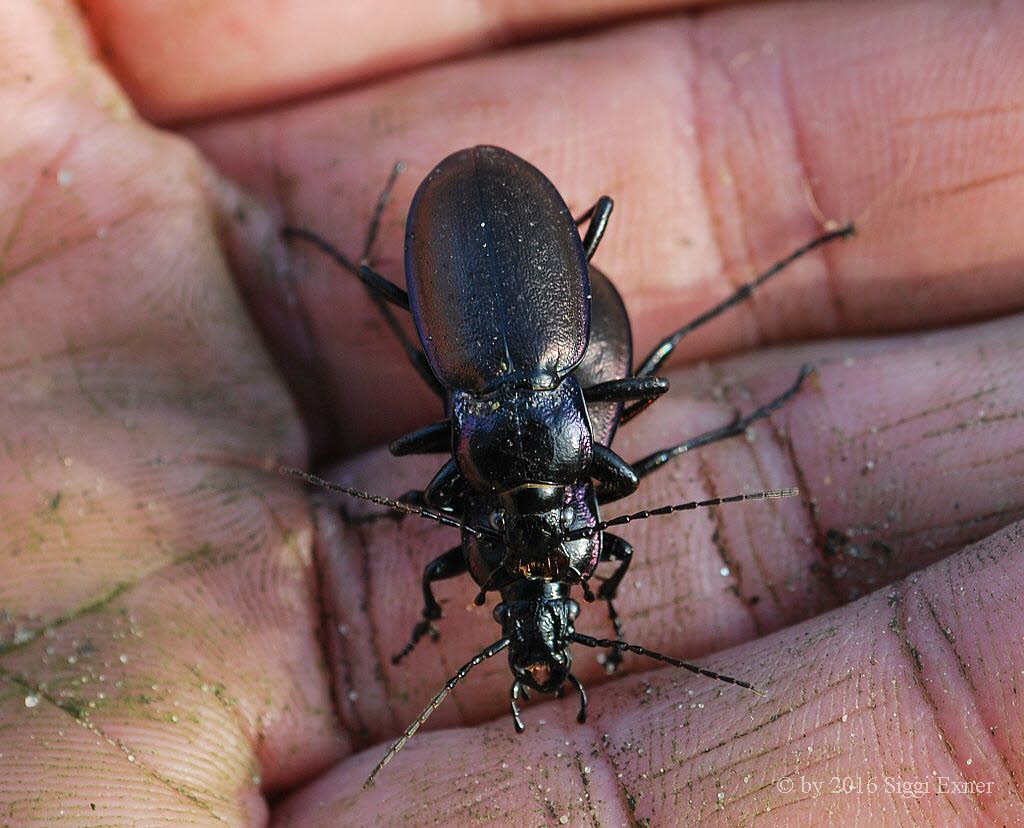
{"x":516,"y":436}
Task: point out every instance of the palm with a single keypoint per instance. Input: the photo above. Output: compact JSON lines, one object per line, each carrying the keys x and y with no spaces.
{"x":183,"y":634}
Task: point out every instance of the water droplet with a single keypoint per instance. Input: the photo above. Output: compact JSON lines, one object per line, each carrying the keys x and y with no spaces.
{"x":31,"y":700}
{"x":724,"y":572}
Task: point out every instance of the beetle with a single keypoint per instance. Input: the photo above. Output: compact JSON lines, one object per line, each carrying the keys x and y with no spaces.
{"x":530,"y":349}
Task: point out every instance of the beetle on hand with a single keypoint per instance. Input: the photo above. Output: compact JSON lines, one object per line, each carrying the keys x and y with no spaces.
{"x":530,"y":349}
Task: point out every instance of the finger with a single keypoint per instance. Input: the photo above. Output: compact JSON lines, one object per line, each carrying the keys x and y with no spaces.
{"x":181,"y":60}
{"x":903,"y":691}
{"x":709,"y":141}
{"x":157,"y":606}
{"x":936,"y":415}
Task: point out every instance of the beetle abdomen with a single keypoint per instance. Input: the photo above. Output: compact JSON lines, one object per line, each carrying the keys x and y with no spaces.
{"x":497,"y":274}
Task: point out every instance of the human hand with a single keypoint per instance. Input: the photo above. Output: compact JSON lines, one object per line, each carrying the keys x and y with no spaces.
{"x":185,"y":638}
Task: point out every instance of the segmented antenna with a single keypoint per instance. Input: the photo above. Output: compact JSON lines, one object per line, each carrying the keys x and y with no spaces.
{"x":435,"y":702}
{"x":588,"y":531}
{"x":380,"y":500}
{"x":587,"y":641}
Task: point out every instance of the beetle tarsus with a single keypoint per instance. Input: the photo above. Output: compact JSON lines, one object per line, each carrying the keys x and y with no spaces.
{"x":598,"y":215}
{"x":423,"y":628}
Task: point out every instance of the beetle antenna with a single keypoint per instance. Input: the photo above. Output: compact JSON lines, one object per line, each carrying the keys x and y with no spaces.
{"x":643,"y":514}
{"x":435,"y":702}
{"x":587,"y":641}
{"x":380,"y":500}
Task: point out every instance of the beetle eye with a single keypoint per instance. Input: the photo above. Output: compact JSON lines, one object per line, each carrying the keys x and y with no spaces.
{"x":568,"y":516}
{"x":497,"y":520}
{"x":499,"y":613}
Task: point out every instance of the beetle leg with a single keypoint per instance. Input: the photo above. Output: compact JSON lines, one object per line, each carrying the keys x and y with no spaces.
{"x":588,"y":593}
{"x":378,"y":210}
{"x":414,"y":497}
{"x":653,"y":461}
{"x":382,"y":291}
{"x":446,"y":489}
{"x":598,"y":215}
{"x":614,"y":548}
{"x":435,"y":438}
{"x":378,"y":285}
{"x":615,"y":475}
{"x":646,"y":389}
{"x":663,"y":349}
{"x":448,"y":565}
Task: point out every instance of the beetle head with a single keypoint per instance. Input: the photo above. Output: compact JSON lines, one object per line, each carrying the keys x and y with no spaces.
{"x":537,"y":617}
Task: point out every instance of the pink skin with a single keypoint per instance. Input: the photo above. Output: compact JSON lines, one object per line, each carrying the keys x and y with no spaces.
{"x":183,"y":634}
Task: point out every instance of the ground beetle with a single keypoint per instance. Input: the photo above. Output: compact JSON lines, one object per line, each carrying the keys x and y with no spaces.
{"x":530,"y":348}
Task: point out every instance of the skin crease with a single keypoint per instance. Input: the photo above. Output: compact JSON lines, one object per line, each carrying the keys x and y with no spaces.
{"x":186,"y":638}
{"x":272,"y":51}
